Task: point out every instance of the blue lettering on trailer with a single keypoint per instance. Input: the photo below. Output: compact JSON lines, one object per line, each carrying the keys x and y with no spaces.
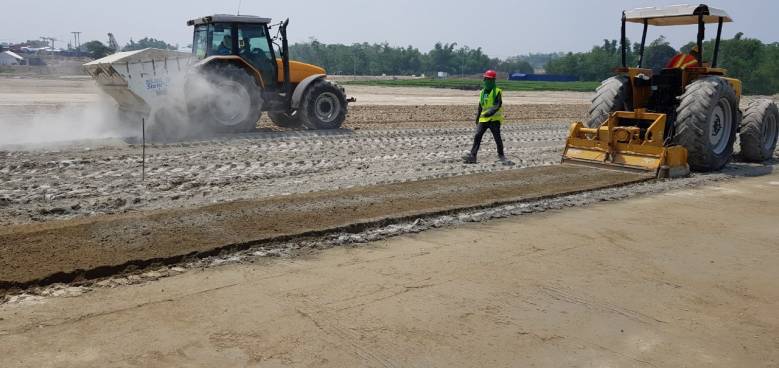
{"x":156,"y":84}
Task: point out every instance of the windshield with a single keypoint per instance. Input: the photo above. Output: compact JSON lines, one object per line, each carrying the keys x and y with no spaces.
{"x":254,"y":46}
{"x":221,"y":39}
{"x":199,"y":42}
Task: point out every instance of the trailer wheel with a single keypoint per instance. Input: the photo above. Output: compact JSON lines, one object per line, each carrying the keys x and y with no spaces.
{"x":759,"y":131}
{"x":226,"y":99}
{"x":612,"y":95}
{"x":706,"y":123}
{"x":324,"y":106}
{"x":285,"y":120}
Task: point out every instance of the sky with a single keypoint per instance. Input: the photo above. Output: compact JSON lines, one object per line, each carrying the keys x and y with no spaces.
{"x":501,"y":28}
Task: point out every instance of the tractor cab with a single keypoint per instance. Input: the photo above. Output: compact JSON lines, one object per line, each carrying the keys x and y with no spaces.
{"x":244,"y":36}
{"x":658,"y":93}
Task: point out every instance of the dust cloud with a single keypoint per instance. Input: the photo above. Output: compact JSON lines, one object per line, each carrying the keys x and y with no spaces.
{"x":194,"y":104}
{"x":171,"y":117}
{"x":39,"y":125}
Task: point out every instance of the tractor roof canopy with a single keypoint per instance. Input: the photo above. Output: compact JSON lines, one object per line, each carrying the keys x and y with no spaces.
{"x":676,"y":15}
{"x":227,"y":18}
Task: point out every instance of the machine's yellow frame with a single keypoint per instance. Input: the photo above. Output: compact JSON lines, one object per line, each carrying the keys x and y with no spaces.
{"x":614,"y":145}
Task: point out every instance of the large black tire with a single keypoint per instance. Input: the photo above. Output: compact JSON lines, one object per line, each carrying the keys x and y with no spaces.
{"x":323,"y":106}
{"x":706,"y":123}
{"x":285,"y":120}
{"x":612,"y":95}
{"x":759,"y":131}
{"x":224,"y":98}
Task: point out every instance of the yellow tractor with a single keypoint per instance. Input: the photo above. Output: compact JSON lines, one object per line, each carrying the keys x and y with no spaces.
{"x":679,"y":119}
{"x":235,"y":54}
{"x":233,"y":74}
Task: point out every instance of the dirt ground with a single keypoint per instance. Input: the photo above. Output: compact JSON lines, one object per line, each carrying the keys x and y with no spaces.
{"x":107,"y":244}
{"x":680,"y":279}
{"x":81,"y":167}
{"x":667,"y":275}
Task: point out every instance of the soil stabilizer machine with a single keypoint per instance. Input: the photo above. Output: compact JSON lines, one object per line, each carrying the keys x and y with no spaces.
{"x":680,"y":119}
{"x":233,"y":74}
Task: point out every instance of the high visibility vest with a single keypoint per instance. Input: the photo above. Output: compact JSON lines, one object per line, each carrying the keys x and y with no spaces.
{"x":487,"y":101}
{"x":682,"y":61}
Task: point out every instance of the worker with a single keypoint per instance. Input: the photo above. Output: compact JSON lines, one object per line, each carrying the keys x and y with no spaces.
{"x":489,"y":116}
{"x":226,"y":47}
{"x":683,"y":61}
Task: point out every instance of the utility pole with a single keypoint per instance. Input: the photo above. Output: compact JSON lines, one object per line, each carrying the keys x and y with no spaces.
{"x":76,"y":40}
{"x":51,"y":41}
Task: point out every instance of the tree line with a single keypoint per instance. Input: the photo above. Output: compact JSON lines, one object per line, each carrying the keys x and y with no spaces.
{"x":97,"y":49}
{"x":755,"y":63}
{"x":382,"y":58}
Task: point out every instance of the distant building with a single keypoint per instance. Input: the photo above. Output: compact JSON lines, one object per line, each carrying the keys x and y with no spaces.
{"x":443,"y":75}
{"x":10,"y":58}
{"x":542,"y":77}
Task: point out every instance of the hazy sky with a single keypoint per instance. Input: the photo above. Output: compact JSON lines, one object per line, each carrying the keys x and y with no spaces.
{"x":502,"y":28}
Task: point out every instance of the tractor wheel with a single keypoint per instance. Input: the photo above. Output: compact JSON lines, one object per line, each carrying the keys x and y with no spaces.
{"x":226,"y":100}
{"x":612,"y":95}
{"x":323,"y":106}
{"x":285,"y":120}
{"x":706,"y":123}
{"x":759,"y":131}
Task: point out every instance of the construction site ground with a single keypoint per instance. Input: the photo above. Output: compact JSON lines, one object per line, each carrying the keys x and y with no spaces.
{"x":216,"y":258}
{"x":686,"y":278}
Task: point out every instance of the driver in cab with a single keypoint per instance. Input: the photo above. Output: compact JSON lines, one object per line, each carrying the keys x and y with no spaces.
{"x":226,"y":47}
{"x":684,"y":61}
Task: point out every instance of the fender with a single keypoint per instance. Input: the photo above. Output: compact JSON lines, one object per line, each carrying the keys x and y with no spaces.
{"x":297,"y":95}
{"x":233,"y":59}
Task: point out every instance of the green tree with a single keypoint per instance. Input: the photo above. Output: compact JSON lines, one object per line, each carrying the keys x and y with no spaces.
{"x":146,"y":43}
{"x":442,"y":58}
{"x":767,"y":72}
{"x":597,"y":64}
{"x":747,"y":59}
{"x":540,"y":60}
{"x":514,"y":65}
{"x":96,"y":49}
{"x":658,"y":53}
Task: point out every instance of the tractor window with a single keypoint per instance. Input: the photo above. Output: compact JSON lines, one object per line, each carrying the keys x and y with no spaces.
{"x":200,"y":41}
{"x":221,"y":39}
{"x":254,"y":46}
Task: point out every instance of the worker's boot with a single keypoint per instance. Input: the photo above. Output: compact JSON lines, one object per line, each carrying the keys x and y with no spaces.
{"x":505,"y":161}
{"x":469,"y":159}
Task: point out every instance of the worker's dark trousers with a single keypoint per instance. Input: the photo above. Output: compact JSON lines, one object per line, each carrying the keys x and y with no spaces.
{"x":481,"y":128}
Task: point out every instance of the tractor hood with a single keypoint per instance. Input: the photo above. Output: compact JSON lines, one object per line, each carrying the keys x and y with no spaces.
{"x":297,"y":71}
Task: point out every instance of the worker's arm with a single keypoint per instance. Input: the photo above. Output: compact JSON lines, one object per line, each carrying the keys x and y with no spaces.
{"x":478,"y":114}
{"x":496,"y":107}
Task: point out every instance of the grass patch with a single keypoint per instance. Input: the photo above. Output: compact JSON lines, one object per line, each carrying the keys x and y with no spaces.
{"x":475,"y":85}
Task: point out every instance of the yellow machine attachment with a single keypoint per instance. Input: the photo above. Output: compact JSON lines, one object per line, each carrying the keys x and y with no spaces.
{"x":629,"y":140}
